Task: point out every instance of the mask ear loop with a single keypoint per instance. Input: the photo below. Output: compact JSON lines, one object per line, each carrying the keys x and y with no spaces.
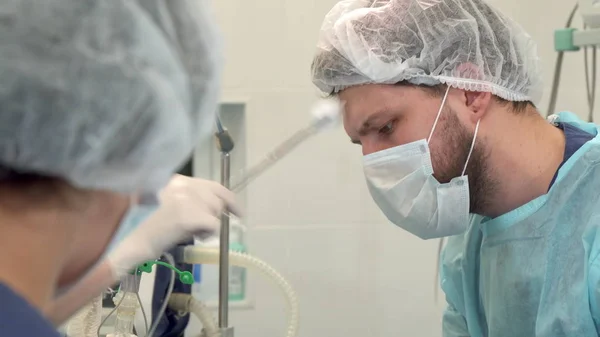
{"x":472,"y":147}
{"x":437,"y":118}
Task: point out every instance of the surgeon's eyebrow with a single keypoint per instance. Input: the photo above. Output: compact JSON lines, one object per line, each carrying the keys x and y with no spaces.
{"x":364,"y":128}
{"x":368,"y":124}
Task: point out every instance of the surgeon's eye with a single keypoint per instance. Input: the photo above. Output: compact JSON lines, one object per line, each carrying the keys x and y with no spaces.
{"x":388,"y":128}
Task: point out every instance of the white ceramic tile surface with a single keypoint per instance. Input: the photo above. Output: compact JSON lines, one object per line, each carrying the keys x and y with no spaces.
{"x":311,"y":215}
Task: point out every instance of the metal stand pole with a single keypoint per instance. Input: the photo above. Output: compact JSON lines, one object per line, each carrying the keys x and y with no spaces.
{"x":225,"y":145}
{"x":224,"y":248}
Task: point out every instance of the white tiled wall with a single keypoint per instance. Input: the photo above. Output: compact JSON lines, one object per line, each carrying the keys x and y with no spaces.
{"x":311,"y":216}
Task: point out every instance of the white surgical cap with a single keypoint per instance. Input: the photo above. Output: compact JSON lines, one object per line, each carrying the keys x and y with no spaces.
{"x":462,"y":43}
{"x":106,"y":94}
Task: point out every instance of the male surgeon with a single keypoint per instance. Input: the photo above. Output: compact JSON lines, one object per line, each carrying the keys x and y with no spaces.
{"x":441,"y":95}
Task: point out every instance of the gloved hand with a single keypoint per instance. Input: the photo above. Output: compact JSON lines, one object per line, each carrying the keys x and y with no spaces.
{"x":188,"y":206}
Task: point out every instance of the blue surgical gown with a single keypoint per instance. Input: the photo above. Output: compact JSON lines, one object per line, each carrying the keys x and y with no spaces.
{"x":534,"y":271}
{"x":19,"y":318}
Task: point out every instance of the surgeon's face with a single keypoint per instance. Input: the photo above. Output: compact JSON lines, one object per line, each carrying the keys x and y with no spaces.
{"x":378,"y":117}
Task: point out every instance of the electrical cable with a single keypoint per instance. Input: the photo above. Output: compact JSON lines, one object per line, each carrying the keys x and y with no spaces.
{"x":593,"y":93}
{"x":143,"y":311}
{"x":109,"y":314}
{"x":558,"y":68}
{"x":590,"y":87}
{"x":163,"y":307}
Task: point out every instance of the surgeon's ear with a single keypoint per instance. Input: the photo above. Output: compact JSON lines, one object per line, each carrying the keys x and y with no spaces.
{"x":477,"y":104}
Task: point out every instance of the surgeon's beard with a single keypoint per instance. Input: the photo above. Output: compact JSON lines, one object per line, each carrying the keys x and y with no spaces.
{"x":457,"y":143}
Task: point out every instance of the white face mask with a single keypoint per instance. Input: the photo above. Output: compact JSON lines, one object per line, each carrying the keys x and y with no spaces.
{"x":135,"y":215}
{"x":401,"y":182}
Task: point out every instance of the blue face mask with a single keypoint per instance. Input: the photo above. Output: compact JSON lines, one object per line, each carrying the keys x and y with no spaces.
{"x":137,"y":213}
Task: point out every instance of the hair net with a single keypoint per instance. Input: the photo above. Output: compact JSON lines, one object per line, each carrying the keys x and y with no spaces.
{"x":463,"y":43}
{"x":110,"y":94}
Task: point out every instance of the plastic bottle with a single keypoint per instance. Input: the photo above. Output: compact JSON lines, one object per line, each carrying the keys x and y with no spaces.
{"x":206,"y":277}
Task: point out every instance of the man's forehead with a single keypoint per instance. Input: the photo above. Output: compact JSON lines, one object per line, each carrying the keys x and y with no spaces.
{"x":363,"y":101}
